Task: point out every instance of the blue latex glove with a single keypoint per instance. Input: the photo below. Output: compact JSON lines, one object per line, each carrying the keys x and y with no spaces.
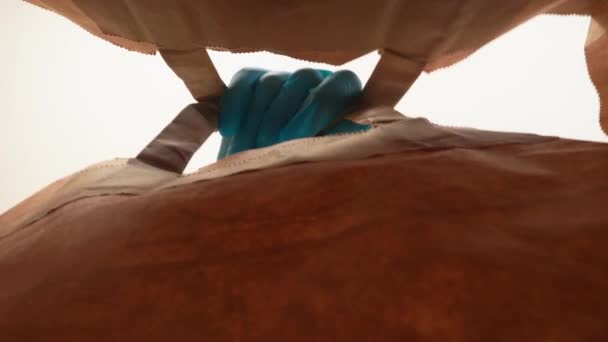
{"x":261,"y":108}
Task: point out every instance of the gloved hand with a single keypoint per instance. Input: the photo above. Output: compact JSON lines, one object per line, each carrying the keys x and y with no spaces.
{"x":261,"y":108}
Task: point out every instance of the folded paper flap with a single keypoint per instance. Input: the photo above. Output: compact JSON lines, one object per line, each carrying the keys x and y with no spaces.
{"x":435,"y":33}
{"x":454,"y":53}
{"x":336,"y":30}
{"x":413,"y":28}
{"x":71,"y":11}
{"x":160,"y":164}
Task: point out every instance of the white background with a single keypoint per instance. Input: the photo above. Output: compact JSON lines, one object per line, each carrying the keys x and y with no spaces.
{"x":68,"y":99}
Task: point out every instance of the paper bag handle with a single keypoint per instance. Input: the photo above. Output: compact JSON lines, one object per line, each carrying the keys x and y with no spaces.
{"x":392,"y":77}
{"x":173,"y":148}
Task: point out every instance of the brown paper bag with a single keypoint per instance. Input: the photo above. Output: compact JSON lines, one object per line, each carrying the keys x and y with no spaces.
{"x":407,"y":232}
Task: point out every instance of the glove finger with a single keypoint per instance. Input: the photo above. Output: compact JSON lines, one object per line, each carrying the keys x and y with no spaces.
{"x":236,"y":99}
{"x":324,"y":105}
{"x":267,"y":88}
{"x":224,"y":147}
{"x":293,"y":92}
{"x":325,"y":73}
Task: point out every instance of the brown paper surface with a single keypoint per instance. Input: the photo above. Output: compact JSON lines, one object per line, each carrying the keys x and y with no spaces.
{"x":494,"y":243}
